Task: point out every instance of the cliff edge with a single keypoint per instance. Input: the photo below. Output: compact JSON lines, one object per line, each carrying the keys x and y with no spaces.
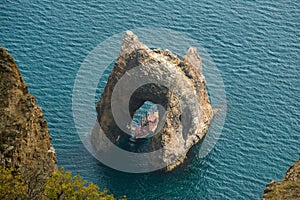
{"x":288,"y":188}
{"x":24,"y":135}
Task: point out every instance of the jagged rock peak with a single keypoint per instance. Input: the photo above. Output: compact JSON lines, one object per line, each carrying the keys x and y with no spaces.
{"x":192,"y":56}
{"x":131,"y":43}
{"x":11,"y":76}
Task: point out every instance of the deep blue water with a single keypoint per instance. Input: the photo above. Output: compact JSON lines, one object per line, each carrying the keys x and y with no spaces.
{"x":254,"y":44}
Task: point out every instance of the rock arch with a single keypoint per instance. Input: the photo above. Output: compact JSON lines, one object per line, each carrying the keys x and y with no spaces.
{"x":177,"y":85}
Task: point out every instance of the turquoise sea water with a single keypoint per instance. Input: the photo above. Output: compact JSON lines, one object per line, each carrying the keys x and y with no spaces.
{"x":255,"y":45}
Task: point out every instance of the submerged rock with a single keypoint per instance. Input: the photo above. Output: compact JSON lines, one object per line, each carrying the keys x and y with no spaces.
{"x":158,"y":76}
{"x":24,"y":135}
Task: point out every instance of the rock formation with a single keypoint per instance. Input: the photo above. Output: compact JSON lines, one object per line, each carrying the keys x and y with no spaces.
{"x":288,"y":188}
{"x":24,"y":135}
{"x":178,"y":85}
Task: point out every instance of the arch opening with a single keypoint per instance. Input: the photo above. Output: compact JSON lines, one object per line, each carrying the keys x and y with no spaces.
{"x":144,"y":121}
{"x":147,"y":107}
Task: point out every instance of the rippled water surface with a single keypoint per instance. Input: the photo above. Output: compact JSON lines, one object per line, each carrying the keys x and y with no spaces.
{"x":255,"y":45}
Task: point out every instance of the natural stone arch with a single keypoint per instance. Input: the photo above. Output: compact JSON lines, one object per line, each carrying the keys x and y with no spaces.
{"x":159,"y":66}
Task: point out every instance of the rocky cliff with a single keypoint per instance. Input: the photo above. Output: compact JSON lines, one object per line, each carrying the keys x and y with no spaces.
{"x":24,"y":135}
{"x":158,"y":76}
{"x":288,"y":188}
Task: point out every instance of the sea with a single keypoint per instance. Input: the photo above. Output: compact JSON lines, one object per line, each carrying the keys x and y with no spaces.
{"x":255,"y":46}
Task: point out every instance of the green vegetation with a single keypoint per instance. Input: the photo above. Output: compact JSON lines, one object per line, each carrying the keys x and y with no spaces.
{"x":60,"y":185}
{"x":11,"y":184}
{"x":286,"y":190}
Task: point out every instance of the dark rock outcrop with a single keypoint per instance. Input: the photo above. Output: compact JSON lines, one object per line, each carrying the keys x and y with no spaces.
{"x":288,"y":188}
{"x":178,"y":85}
{"x":24,"y":135}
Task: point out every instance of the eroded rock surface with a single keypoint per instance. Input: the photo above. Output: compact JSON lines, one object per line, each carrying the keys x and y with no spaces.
{"x":24,"y":135}
{"x":288,"y":188}
{"x":178,"y":85}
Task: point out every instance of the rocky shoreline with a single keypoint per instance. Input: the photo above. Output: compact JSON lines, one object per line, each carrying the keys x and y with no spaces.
{"x":288,"y":188}
{"x":25,"y":142}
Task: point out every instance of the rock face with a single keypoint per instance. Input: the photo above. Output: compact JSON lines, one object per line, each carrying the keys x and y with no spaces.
{"x":288,"y":188}
{"x":162,"y":78}
{"x":24,"y":135}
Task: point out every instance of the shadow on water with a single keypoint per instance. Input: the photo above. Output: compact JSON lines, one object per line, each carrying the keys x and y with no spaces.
{"x":135,"y":186}
{"x":138,"y":146}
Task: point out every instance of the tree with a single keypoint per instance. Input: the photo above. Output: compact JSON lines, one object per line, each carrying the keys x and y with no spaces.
{"x":61,"y":185}
{"x":11,"y":184}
